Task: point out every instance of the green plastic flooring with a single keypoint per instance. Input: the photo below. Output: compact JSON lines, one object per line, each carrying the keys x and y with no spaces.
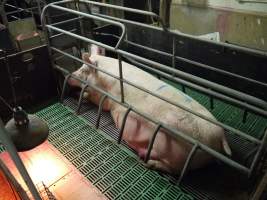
{"x":115,"y":171}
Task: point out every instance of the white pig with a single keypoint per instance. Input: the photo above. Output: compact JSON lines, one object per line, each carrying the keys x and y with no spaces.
{"x":168,"y":154}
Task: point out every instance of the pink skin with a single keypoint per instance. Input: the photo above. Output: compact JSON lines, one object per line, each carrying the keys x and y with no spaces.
{"x":168,"y":154}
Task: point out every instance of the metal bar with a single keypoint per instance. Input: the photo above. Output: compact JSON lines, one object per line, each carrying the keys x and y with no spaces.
{"x":175,"y":133}
{"x":124,"y":21}
{"x":3,"y":14}
{"x":81,"y":98}
{"x":260,"y":189}
{"x":198,"y":80}
{"x":182,"y":74}
{"x":245,"y":115}
{"x":173,"y":52}
{"x":11,"y":149}
{"x":27,"y":10}
{"x":81,"y":45}
{"x":198,"y":64}
{"x":66,"y":21}
{"x":16,"y":18}
{"x":261,"y":149}
{"x":121,"y":78}
{"x":92,"y":17}
{"x":245,"y":49}
{"x":222,"y":45}
{"x":187,"y":163}
{"x":80,"y":37}
{"x":57,"y":35}
{"x":227,"y":127}
{"x":14,"y":181}
{"x":142,"y":12}
{"x":64,"y":88}
{"x":206,"y":91}
{"x":123,"y":124}
{"x":211,"y":102}
{"x":100,"y":109}
{"x":151,"y":143}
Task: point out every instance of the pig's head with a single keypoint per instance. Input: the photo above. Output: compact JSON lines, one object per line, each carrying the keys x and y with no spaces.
{"x":85,"y":72}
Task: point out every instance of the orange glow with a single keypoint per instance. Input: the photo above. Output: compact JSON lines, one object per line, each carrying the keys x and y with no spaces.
{"x":44,"y":165}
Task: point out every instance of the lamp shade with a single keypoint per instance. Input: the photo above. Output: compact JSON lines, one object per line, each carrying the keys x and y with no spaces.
{"x":26,"y":131}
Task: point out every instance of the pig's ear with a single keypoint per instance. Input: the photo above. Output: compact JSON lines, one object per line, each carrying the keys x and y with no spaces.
{"x":86,"y":57}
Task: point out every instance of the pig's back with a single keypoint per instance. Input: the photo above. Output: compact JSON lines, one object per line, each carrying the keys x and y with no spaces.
{"x":143,"y":79}
{"x":155,"y":107}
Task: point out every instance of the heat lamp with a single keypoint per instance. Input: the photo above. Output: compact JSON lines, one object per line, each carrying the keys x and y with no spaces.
{"x":23,"y":132}
{"x":26,"y":131}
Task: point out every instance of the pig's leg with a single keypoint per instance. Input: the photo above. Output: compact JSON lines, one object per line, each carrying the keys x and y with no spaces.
{"x":136,"y":132}
{"x":158,"y":165}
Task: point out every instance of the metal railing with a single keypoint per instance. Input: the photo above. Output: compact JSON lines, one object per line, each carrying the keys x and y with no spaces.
{"x":249,"y":103}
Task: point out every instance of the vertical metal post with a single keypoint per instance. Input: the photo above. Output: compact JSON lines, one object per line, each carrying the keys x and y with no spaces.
{"x":48,"y":43}
{"x":78,"y":8}
{"x":183,"y":89}
{"x":123,"y":124}
{"x":64,"y":88}
{"x":211,"y":102}
{"x":245,"y":115}
{"x":121,"y":78}
{"x":10,"y":147}
{"x":187,"y":162}
{"x":151,"y":143}
{"x":3,"y":13}
{"x":39,"y":7}
{"x":81,"y":98}
{"x":260,"y":151}
{"x":173,"y":53}
{"x":100,"y":108}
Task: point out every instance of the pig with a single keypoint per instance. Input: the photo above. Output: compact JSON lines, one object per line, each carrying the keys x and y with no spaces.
{"x":168,"y":153}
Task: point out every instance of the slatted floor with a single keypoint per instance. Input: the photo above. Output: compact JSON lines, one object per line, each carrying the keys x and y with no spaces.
{"x":115,"y":171}
{"x":118,"y":173}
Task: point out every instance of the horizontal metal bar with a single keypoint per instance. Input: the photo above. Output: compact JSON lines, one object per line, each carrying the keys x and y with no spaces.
{"x":124,"y":20}
{"x":198,"y":64}
{"x":201,"y":81}
{"x":132,"y":10}
{"x":59,"y":34}
{"x":220,"y":44}
{"x":92,"y":17}
{"x":17,"y":18}
{"x":196,"y":87}
{"x":175,"y":133}
{"x":80,"y":37}
{"x":192,"y":78}
{"x":66,"y":21}
{"x":234,"y":93}
{"x":235,"y":131}
{"x":254,"y":109}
